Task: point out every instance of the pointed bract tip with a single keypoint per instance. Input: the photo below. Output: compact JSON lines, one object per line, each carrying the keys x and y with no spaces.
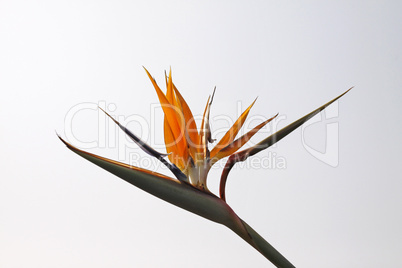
{"x":213,"y":94}
{"x":110,"y":116}
{"x":65,"y":143}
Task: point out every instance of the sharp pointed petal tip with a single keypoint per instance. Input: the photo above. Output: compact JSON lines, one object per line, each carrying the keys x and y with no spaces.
{"x":252,"y":104}
{"x":212,"y":98}
{"x":65,"y":143}
{"x":338,"y":97}
{"x":146,"y":70}
{"x":272,"y":118}
{"x":110,"y":116}
{"x":58,"y":136}
{"x":346,"y":91}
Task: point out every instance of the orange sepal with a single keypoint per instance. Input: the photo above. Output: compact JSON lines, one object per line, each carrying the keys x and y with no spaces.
{"x":171,"y":115}
{"x":232,"y":132}
{"x":238,"y":143}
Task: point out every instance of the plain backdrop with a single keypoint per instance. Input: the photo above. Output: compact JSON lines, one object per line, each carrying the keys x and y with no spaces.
{"x":60,"y":59}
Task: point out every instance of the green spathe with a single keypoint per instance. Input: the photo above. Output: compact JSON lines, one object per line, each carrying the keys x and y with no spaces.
{"x":189,"y":198}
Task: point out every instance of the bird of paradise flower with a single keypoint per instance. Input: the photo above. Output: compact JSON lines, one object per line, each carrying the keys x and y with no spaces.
{"x":190,"y":160}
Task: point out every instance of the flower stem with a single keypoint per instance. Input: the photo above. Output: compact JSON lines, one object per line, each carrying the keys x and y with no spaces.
{"x":260,"y":244}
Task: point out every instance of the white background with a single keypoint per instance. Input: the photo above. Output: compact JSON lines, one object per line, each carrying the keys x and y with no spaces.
{"x":58,"y":210}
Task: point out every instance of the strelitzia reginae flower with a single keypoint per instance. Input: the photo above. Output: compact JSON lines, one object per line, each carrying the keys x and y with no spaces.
{"x":189,"y":159}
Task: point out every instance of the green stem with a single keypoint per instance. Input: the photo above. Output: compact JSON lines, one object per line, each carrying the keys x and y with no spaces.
{"x":260,"y":244}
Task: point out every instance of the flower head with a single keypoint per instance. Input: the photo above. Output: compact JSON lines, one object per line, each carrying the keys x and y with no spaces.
{"x":188,"y":146}
{"x":190,"y":160}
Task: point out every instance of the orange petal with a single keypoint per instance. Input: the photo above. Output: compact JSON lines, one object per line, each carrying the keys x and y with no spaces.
{"x":182,"y":153}
{"x":171,"y":147}
{"x":171,"y":114}
{"x":190,"y":123}
{"x":232,"y":132}
{"x":170,"y":143}
{"x":237,"y":144}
